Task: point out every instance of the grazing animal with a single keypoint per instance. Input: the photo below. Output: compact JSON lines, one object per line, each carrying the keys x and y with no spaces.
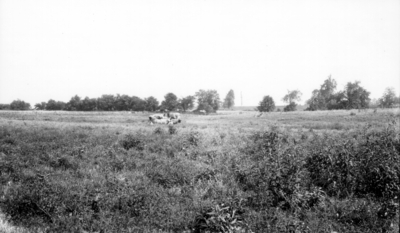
{"x":174,"y":122}
{"x":165,"y":121}
{"x":168,"y":118}
{"x":174,"y":115}
{"x":158,"y":119}
{"x":203,"y":112}
{"x":156,"y":116}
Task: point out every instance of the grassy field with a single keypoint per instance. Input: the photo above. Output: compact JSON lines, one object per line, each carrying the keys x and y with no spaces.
{"x":323,"y":171}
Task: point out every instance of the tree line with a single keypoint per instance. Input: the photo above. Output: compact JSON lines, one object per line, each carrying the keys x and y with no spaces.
{"x":207,"y":100}
{"x":353,"y":96}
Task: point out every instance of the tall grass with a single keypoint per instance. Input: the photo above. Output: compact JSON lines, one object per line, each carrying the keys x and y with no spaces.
{"x":113,"y":172}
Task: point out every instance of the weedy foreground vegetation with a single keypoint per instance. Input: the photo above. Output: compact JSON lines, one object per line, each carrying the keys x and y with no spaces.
{"x":321,"y":171}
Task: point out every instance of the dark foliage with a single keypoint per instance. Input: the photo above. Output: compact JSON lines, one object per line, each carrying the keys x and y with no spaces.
{"x":291,"y":107}
{"x":266,"y":105}
{"x":133,"y":141}
{"x":19,"y":105}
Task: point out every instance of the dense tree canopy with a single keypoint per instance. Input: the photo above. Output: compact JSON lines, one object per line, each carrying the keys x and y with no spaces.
{"x":88,"y":104}
{"x":321,"y":98}
{"x":208,"y":100}
{"x":4,"y":106}
{"x":151,"y":104}
{"x":388,"y":99}
{"x":229,"y":101}
{"x":353,"y":96}
{"x":170,"y":103}
{"x":19,"y":105}
{"x":267,"y":104}
{"x":187,"y":103}
{"x":137,"y":104}
{"x":106,"y":103}
{"x":74,"y":104}
{"x":54,"y":105}
{"x":110,"y":103}
{"x":122,"y":102}
{"x":357,"y":96}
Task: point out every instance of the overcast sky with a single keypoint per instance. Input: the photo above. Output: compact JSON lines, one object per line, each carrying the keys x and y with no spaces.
{"x":56,"y":49}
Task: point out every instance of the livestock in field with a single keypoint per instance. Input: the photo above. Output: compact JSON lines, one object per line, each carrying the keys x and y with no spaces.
{"x":172,"y":122}
{"x":156,"y":116}
{"x":165,"y":121}
{"x":173,"y":115}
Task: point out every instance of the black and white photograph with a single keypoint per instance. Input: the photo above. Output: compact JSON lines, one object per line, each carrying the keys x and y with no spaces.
{"x":200,"y":116}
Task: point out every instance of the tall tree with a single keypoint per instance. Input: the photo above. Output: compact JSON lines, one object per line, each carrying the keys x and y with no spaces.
{"x":338,"y":101}
{"x":321,"y":98}
{"x":74,"y":104}
{"x":170,"y":103}
{"x":328,"y":88}
{"x":229,"y":101}
{"x":388,"y":99}
{"x":356,"y":96}
{"x":207,"y":100}
{"x":267,"y":104}
{"x":291,"y":97}
{"x":51,"y":105}
{"x":187,"y":103}
{"x":316,"y":102}
{"x":137,"y":104}
{"x":151,"y":104}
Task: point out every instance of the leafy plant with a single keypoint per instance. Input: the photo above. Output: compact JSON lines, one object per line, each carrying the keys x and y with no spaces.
{"x":133,"y":141}
{"x":194,"y":138}
{"x":172,"y":129}
{"x":158,"y":130}
{"x":222,"y":218}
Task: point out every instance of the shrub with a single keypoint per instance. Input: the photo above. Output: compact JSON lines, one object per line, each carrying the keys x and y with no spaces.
{"x":26,"y":202}
{"x":291,"y":107}
{"x":64,"y":163}
{"x":222,"y":218}
{"x":170,"y":173}
{"x":194,"y":138}
{"x":172,"y":129}
{"x":365,"y":168}
{"x":133,"y":141}
{"x":352,"y":167}
{"x":271,"y":173}
{"x":158,"y":130}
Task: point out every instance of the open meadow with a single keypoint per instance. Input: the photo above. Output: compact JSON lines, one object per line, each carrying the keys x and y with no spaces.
{"x":321,"y":171}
